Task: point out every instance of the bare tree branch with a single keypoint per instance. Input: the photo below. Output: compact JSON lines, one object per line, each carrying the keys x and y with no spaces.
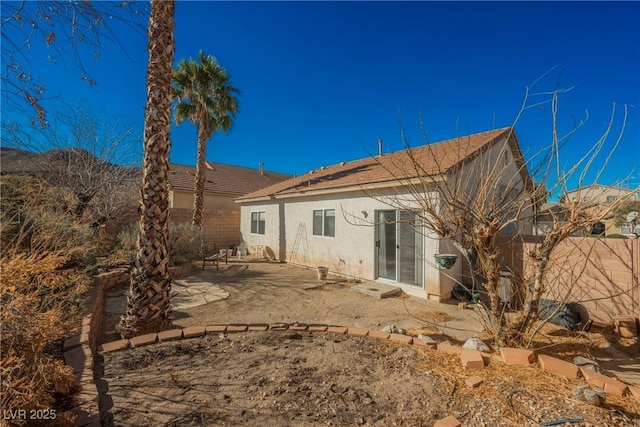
{"x":486,"y":194}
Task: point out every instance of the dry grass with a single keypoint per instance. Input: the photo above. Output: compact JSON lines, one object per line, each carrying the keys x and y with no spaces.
{"x":506,"y":385}
{"x":41,"y":296}
{"x":564,"y":344}
{"x":39,"y":303}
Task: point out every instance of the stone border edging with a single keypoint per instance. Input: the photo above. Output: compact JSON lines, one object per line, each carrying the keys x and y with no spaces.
{"x":471,"y":359}
{"x":80,"y":349}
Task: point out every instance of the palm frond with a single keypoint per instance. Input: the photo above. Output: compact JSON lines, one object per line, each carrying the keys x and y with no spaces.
{"x":202,"y":90}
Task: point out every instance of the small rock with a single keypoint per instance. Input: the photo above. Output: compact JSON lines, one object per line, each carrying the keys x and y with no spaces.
{"x":427,"y":339}
{"x":392,"y":329}
{"x":578,"y":392}
{"x":475,"y":344}
{"x":585,"y":363}
{"x":594,"y":396}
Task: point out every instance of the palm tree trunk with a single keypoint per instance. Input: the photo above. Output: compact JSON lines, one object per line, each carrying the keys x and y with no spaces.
{"x":149,"y":296}
{"x":198,"y":193}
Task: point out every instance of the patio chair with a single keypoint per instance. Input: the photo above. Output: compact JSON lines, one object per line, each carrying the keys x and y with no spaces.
{"x":210,"y":253}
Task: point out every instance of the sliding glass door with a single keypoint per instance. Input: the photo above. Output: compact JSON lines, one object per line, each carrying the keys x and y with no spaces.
{"x":386,"y":244}
{"x":398,"y":246}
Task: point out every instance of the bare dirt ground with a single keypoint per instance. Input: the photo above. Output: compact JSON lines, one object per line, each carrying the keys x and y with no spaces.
{"x":287,"y":378}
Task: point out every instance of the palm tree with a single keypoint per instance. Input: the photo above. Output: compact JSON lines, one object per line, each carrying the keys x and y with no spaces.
{"x":206,"y":98}
{"x":149,"y":297}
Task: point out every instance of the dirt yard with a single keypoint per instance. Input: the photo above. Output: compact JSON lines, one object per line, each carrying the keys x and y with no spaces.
{"x":287,"y":378}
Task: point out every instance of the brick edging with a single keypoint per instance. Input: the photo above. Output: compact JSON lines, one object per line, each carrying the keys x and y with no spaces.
{"x":471,"y":359}
{"x":80,"y":350}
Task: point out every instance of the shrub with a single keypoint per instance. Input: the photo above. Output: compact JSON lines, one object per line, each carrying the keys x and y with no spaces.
{"x":185,"y":241}
{"x":41,"y":296}
{"x":184,"y":244}
{"x":40,"y":300}
{"x":125,"y":249}
{"x":35,"y":219}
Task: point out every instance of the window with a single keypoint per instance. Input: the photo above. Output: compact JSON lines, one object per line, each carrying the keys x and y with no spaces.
{"x":597,"y":229}
{"x":611,"y":199}
{"x":626,"y":229}
{"x":324,"y":222}
{"x":257,"y":222}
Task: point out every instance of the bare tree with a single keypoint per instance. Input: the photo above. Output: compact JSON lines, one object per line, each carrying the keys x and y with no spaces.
{"x":477,"y":195}
{"x":72,"y":31}
{"x":92,"y":161}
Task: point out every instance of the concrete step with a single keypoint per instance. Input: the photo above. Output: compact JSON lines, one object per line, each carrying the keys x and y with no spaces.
{"x":378,"y":290}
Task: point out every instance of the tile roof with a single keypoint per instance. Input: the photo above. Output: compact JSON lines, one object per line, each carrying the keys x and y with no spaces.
{"x":434,"y":159}
{"x":223,"y":179}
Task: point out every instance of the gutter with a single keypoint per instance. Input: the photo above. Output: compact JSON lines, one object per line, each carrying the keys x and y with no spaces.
{"x":338,"y":190}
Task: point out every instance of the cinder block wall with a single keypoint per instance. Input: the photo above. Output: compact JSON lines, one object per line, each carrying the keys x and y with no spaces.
{"x":601,"y":274}
{"x":221,"y":227}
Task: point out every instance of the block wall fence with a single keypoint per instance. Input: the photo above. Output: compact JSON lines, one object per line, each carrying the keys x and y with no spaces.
{"x":603,"y":275}
{"x":221,"y":227}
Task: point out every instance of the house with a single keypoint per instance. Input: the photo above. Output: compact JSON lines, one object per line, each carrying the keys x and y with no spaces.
{"x":599,"y":195}
{"x":338,"y":216}
{"x":222,"y":185}
{"x":549,"y":214}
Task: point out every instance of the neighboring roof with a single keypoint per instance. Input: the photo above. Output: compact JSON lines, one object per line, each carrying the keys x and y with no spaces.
{"x":223,"y":179}
{"x":220,"y":178}
{"x":588,"y":188}
{"x":551,"y":208}
{"x":434,"y":159}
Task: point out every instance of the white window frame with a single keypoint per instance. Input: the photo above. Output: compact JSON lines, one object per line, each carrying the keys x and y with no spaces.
{"x":257,"y":215}
{"x":323,"y":230}
{"x":626,"y":229}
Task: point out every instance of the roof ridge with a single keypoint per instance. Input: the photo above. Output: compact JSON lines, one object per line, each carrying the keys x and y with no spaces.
{"x":230,"y":165}
{"x":402,"y":150}
{"x":350,"y":173}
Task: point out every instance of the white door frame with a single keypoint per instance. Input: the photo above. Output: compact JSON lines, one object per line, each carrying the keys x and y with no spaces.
{"x":418,"y":284}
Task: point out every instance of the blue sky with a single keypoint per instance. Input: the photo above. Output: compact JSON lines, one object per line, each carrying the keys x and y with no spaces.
{"x":322,"y":81}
